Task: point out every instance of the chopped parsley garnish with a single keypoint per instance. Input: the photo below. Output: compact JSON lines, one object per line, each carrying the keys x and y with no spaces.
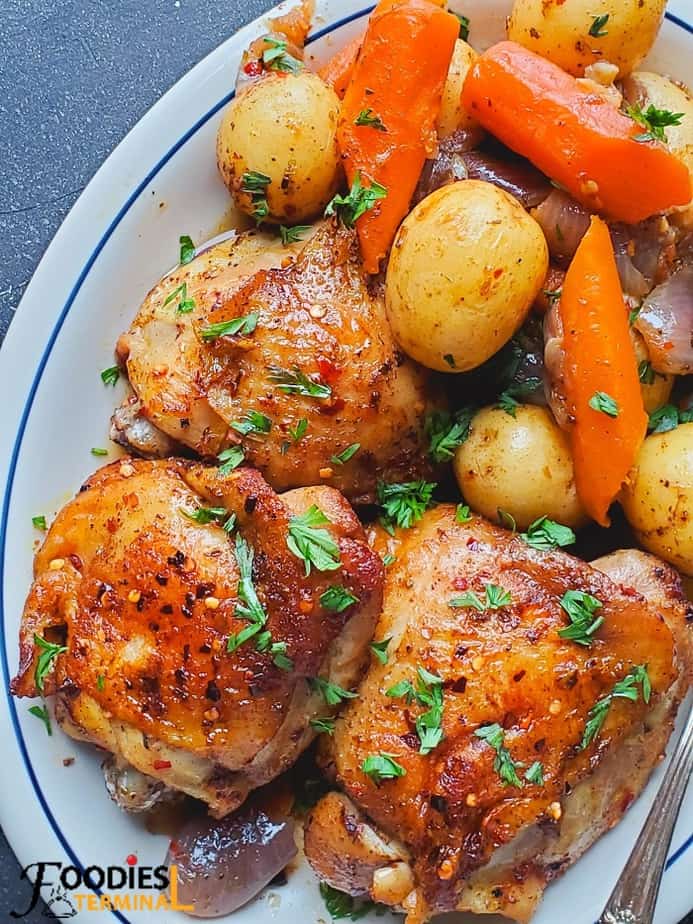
{"x":535,"y":773}
{"x":604,"y":403}
{"x":314,"y":546}
{"x":359,"y":200}
{"x":229,"y":523}
{"x":668,"y":417}
{"x":446,"y":432}
{"x":252,"y":422}
{"x":248,"y":605}
{"x":379,"y":649}
{"x":506,"y":519}
{"x":299,"y":431}
{"x":503,"y":764}
{"x":464,"y":26}
{"x":337,"y":599}
{"x":298,"y":383}
{"x":546,"y":534}
{"x":369,"y":118}
{"x":230,"y":459}
{"x":552,"y":294}
{"x":100,"y":682}
{"x":507,"y":400}
{"x":646,"y":373}
{"x":597,"y":29}
{"x":97,"y":451}
{"x":381,"y":767}
{"x":340,"y":905}
{"x":41,"y":712}
{"x":44,"y":664}
{"x":332,"y":693}
{"x":277,"y":58}
{"x":623,"y":689}
{"x":463,"y":514}
{"x":244,"y":325}
{"x":428,"y":692}
{"x":292,"y":235}
{"x":111,"y":375}
{"x":39,"y":522}
{"x":255,"y":185}
{"x":277,"y":651}
{"x":581,"y":608}
{"x":324,"y":726}
{"x":633,"y":315}
{"x":345,"y":454}
{"x":187,"y":249}
{"x":495,"y":598}
{"x":450,"y":360}
{"x":654,"y":120}
{"x":185,"y":305}
{"x":204,"y":515}
{"x":404,"y":504}
{"x":389,"y":559}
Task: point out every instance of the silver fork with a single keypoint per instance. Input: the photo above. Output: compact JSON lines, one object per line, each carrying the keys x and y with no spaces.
{"x":635,"y":894}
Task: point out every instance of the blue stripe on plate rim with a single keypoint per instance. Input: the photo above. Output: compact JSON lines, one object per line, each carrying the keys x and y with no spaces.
{"x":137,"y":192}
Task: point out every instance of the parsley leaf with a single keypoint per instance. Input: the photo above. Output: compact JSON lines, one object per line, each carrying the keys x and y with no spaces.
{"x":230,"y":459}
{"x":654,"y":120}
{"x":96,"y":451}
{"x":600,"y":401}
{"x":506,"y":519}
{"x":298,"y":383}
{"x":623,"y":689}
{"x":292,"y":235}
{"x":379,"y":649}
{"x":337,"y":599}
{"x":111,"y":375}
{"x":546,"y":534}
{"x":581,"y":608}
{"x":429,"y":693}
{"x":324,"y":726}
{"x":340,"y":905}
{"x":248,"y":605}
{"x":503,"y":764}
{"x":445,"y":432}
{"x":255,"y":185}
{"x":204,"y":515}
{"x":277,"y":58}
{"x":404,"y":504}
{"x":252,"y":422}
{"x":535,"y":774}
{"x":299,"y":431}
{"x":100,"y":682}
{"x":359,"y":200}
{"x":346,"y":454}
{"x":187,"y":249}
{"x":597,"y":29}
{"x":44,"y":664}
{"x":39,"y":522}
{"x":244,"y":325}
{"x":332,"y":693}
{"x":369,"y":118}
{"x":277,"y":651}
{"x":507,"y":400}
{"x":450,"y":360}
{"x":646,"y":373}
{"x":464,"y":26}
{"x":313,"y":545}
{"x":41,"y":712}
{"x":185,"y":305}
{"x":496,"y":598}
{"x":463,"y":514}
{"x":668,"y":417}
{"x":381,"y":767}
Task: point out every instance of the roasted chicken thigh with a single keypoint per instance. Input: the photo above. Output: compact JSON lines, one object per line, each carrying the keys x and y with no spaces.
{"x":310,"y":384}
{"x":188,"y":631}
{"x":525,"y":699}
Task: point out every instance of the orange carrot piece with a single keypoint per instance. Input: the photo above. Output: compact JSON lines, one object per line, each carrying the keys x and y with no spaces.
{"x":399,"y":77}
{"x":600,"y":358}
{"x":573,"y":135}
{"x":338,"y":70}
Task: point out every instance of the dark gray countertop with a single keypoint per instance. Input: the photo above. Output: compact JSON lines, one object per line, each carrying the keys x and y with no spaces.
{"x":75,"y":76}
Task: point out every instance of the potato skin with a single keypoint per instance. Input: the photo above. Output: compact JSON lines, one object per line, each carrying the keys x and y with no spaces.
{"x":465,"y":268}
{"x":658,"y":500}
{"x":453,"y":115}
{"x":521,"y":464}
{"x":284,"y":126}
{"x":560,"y":31}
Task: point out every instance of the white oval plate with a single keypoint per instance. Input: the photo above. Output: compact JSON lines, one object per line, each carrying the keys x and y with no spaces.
{"x":116,"y":242}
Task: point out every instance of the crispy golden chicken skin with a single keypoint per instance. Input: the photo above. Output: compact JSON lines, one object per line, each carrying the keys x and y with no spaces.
{"x":320,"y":365}
{"x":454,"y":830}
{"x":145,"y":599}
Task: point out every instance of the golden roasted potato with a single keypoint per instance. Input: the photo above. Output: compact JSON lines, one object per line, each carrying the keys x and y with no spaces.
{"x":466,"y":265}
{"x":277,"y":145}
{"x":453,"y":115}
{"x":578,"y":33}
{"x":658,"y":500}
{"x":521,"y":464}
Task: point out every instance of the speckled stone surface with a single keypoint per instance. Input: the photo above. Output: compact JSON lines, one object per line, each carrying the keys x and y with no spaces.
{"x":75,"y":76}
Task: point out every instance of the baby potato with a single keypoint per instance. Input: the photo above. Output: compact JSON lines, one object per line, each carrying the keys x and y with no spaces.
{"x":655,"y":386}
{"x":282,"y":127}
{"x":580,"y":32}
{"x":453,"y":115}
{"x":466,"y":265}
{"x":521,"y":464}
{"x":658,"y":500}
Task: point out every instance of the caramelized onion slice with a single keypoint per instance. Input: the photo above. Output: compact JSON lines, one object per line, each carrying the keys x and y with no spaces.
{"x":666,"y":323}
{"x":223,"y":863}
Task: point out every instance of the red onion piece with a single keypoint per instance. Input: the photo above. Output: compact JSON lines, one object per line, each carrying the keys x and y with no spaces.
{"x":554,"y":367}
{"x":224,"y":863}
{"x":564,"y":222}
{"x":666,"y":323}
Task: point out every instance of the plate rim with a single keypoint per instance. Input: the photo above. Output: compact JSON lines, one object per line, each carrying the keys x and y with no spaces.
{"x":55,"y":327}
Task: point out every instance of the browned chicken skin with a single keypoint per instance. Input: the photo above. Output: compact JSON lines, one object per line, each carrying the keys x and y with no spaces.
{"x":450,"y":834}
{"x":316,"y":318}
{"x":145,"y":600}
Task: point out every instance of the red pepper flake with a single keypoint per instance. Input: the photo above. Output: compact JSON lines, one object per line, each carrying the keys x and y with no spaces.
{"x":460,"y":583}
{"x":253,"y":68}
{"x":329,"y":372}
{"x":162,"y":765}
